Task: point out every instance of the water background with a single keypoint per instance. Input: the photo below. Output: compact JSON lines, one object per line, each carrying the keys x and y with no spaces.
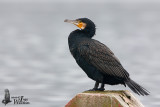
{"x":35,"y":60}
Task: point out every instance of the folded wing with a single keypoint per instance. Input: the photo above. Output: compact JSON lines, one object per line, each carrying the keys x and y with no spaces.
{"x":100,"y":56}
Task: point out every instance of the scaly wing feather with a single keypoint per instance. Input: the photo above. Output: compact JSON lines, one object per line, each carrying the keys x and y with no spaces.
{"x":102,"y":58}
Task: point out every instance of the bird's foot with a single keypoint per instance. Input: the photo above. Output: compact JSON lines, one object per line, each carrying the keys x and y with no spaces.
{"x":94,"y":89}
{"x":101,"y":89}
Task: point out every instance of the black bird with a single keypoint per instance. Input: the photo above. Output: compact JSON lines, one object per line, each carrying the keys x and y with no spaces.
{"x":97,"y":60}
{"x":6,"y":99}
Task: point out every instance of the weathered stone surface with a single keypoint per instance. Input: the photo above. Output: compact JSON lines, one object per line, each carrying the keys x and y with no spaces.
{"x":104,"y":99}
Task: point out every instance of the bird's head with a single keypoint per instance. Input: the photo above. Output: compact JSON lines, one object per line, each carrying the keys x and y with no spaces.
{"x":84,"y":24}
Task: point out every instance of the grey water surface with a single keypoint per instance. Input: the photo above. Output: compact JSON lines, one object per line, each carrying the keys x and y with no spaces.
{"x":35,"y":60}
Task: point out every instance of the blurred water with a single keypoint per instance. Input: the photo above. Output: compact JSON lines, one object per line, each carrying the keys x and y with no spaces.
{"x":34,"y":56}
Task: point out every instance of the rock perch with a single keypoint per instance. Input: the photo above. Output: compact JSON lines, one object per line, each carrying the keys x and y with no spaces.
{"x":104,"y":99}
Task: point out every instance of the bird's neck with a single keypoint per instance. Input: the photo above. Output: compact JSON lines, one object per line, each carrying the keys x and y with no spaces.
{"x":75,"y":37}
{"x":87,"y":32}
{"x":90,"y":32}
{"x":80,"y":34}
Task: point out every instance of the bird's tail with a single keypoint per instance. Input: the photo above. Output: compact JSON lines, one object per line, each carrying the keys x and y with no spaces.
{"x":136,"y":88}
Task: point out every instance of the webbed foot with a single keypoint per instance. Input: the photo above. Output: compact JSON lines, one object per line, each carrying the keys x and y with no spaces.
{"x":101,"y":89}
{"x":94,"y":89}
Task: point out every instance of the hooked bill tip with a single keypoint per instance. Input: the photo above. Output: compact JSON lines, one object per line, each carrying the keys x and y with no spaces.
{"x":66,"y":20}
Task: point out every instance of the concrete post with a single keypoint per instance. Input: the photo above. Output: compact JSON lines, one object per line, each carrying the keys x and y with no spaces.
{"x":104,"y":99}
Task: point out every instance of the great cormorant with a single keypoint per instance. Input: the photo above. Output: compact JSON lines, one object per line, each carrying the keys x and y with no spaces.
{"x":97,"y":60}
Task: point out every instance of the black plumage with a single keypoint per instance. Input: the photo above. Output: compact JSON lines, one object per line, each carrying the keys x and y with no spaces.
{"x":96,"y":59}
